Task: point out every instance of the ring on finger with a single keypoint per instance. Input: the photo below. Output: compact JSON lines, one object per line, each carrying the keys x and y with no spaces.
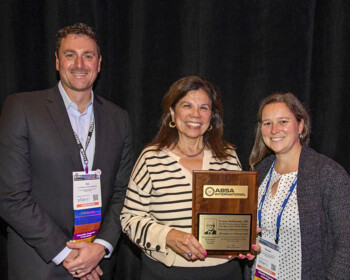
{"x":189,"y":255}
{"x":76,"y":273}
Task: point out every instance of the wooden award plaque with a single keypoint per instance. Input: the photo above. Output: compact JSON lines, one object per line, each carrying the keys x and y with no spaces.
{"x":224,"y":211}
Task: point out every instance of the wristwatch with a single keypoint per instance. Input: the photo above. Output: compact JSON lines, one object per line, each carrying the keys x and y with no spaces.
{"x":107,"y":252}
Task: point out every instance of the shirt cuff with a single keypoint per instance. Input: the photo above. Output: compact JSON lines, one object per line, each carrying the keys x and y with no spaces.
{"x":61,"y":256}
{"x":105,"y":244}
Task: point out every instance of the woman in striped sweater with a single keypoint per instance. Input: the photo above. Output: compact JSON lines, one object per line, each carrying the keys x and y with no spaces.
{"x":157,"y":214}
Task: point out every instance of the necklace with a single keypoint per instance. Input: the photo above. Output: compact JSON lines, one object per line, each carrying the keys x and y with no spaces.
{"x":186,"y":155}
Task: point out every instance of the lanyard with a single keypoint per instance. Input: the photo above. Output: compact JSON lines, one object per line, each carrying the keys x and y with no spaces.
{"x":82,"y":150}
{"x":279,"y":217}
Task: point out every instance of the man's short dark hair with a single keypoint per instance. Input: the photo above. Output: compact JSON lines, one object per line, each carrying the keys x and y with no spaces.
{"x":80,"y":29}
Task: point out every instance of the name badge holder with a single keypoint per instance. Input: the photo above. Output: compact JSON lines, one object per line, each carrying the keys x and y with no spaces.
{"x":267,"y":261}
{"x":87,"y":205}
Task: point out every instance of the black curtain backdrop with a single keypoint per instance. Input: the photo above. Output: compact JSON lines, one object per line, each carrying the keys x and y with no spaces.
{"x":248,"y":49}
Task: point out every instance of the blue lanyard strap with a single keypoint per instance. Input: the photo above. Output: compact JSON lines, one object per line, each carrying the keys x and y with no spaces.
{"x":264,"y":195}
{"x":279,"y":217}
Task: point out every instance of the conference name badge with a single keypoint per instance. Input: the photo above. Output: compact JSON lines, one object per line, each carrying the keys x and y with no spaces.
{"x":86,"y":190}
{"x":87,"y":203}
{"x":267,"y":261}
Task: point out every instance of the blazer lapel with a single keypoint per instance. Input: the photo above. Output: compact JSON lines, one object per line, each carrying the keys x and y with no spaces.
{"x":59,"y":115}
{"x":101,"y":132}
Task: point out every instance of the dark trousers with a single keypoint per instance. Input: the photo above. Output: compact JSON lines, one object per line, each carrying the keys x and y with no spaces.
{"x":152,"y":270}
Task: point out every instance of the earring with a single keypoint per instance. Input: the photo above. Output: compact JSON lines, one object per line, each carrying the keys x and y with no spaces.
{"x":210,"y":128}
{"x":172,"y":124}
{"x":301,"y":135}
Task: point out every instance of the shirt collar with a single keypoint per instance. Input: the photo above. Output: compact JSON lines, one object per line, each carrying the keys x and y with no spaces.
{"x":69,"y":103}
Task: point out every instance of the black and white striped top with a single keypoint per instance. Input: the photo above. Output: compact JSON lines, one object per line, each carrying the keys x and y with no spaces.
{"x":159,"y":198}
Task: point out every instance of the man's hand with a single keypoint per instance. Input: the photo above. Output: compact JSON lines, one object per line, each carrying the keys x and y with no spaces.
{"x":90,"y":254}
{"x":71,"y":256}
{"x":94,"y":274}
